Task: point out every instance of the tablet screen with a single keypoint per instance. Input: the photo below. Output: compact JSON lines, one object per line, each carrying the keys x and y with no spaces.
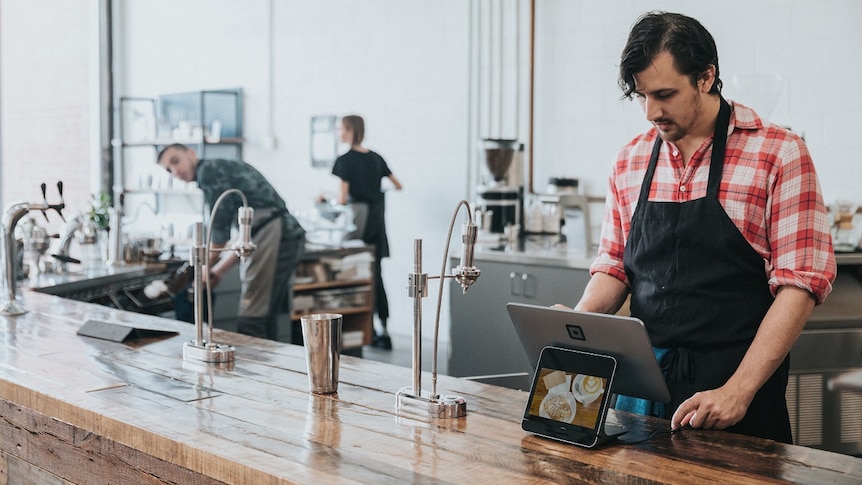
{"x":569,"y":396}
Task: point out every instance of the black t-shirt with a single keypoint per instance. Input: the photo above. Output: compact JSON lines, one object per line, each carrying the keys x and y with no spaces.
{"x":363,"y":171}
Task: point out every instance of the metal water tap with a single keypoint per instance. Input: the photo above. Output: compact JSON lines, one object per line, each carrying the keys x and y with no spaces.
{"x":69,"y":230}
{"x":412,"y":399}
{"x":13,"y":213}
{"x":115,"y":234}
{"x":200,"y":349}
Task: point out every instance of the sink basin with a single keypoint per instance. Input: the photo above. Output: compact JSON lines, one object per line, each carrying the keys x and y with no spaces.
{"x":122,"y":289}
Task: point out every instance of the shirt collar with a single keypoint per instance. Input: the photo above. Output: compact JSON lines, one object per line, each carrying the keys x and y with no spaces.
{"x":743,"y":118}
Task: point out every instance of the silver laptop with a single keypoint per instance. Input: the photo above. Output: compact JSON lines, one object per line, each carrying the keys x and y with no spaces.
{"x":624,"y":338}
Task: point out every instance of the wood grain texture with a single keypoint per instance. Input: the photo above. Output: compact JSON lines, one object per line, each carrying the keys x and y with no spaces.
{"x":80,"y":408}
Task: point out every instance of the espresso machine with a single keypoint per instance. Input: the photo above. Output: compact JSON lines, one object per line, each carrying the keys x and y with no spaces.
{"x":501,"y":192}
{"x":562,"y":195}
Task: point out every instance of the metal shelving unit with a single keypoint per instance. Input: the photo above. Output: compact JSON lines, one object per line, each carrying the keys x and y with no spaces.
{"x":209,"y":121}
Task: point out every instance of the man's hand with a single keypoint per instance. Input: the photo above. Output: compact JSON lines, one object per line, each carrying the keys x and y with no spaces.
{"x":214,"y":279}
{"x":713,"y":409}
{"x":727,"y":405}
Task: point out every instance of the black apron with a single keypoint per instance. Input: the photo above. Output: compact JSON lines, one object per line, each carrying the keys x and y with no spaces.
{"x":702,"y":291}
{"x":373,"y":232}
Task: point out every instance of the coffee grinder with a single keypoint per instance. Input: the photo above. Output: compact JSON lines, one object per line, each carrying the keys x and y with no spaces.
{"x":500,"y":194}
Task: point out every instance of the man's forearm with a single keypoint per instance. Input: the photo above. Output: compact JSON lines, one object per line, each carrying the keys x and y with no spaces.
{"x":603,"y":294}
{"x":779,"y":330}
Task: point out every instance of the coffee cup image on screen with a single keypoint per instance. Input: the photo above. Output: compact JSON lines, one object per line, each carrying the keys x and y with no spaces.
{"x":587,"y":389}
{"x":568,"y":398}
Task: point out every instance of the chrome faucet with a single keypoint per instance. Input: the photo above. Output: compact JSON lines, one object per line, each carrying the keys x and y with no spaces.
{"x":200,"y":349}
{"x":412,"y":399}
{"x":115,"y":234}
{"x":64,"y":245}
{"x":13,"y":213}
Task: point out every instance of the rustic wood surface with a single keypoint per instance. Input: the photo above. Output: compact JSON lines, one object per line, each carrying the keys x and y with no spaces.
{"x":81,"y":409}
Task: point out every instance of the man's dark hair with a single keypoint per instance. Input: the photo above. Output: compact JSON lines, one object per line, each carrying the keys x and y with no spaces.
{"x":691,"y":45}
{"x":178,"y":146}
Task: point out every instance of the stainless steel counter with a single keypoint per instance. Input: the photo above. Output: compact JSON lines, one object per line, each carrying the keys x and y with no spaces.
{"x":117,"y":287}
{"x":848,"y":259}
{"x":537,"y":250}
{"x":104,"y":274}
{"x":546,"y":251}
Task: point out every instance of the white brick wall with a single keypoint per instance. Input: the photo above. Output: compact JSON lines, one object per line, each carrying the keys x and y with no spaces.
{"x":44,"y":102}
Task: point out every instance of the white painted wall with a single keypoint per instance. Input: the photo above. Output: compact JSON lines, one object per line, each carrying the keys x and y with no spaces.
{"x":812,"y":45}
{"x":404,"y":65}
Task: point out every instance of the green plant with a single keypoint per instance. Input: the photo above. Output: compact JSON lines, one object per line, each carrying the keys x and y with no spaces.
{"x":100,"y":212}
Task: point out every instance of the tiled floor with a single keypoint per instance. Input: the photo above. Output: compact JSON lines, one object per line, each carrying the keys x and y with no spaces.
{"x":402,"y":353}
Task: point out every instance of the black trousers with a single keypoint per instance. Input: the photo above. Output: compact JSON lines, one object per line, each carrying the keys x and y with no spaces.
{"x":381,"y":302}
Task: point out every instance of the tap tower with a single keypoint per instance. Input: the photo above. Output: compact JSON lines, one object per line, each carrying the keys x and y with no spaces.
{"x":13,"y":213}
{"x":412,"y":398}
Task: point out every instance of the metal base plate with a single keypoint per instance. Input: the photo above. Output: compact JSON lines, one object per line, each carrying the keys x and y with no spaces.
{"x":439,"y":407}
{"x":11,"y":308}
{"x":208,"y":352}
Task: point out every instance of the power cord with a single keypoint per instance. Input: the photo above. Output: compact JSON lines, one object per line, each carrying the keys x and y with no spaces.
{"x":652,"y":435}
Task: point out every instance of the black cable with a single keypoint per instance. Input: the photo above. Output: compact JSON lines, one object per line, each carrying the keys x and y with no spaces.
{"x":652,"y":435}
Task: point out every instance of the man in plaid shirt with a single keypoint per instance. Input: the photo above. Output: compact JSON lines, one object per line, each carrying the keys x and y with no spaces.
{"x":716,"y":227}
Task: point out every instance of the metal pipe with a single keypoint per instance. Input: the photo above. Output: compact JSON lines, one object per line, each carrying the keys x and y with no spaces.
{"x":531,"y":114}
{"x":199,"y":255}
{"x":418,"y":285}
{"x":106,"y":99}
{"x":500,"y":61}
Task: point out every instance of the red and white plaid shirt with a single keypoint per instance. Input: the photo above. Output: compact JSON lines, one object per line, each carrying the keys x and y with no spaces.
{"x":769,"y":189}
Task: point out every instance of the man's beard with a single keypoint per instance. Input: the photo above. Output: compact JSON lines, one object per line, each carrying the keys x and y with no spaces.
{"x":679,"y":131}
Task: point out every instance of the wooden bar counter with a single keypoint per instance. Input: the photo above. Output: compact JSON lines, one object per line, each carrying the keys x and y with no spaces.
{"x":85,"y":410}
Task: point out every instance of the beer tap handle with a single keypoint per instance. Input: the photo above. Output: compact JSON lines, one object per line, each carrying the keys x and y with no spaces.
{"x":45,"y":199}
{"x":62,"y":205}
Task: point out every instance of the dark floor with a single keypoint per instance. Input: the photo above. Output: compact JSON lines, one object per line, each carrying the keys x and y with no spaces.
{"x":402,"y":353}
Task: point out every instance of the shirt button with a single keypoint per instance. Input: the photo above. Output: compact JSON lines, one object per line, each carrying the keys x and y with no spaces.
{"x":682,"y":188}
{"x":675,"y":153}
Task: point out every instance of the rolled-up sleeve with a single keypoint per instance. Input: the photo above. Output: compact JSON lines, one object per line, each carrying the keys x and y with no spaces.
{"x":801,"y":242}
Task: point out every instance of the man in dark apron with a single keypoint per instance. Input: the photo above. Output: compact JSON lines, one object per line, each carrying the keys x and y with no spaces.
{"x":267,"y":276}
{"x":723,"y":297}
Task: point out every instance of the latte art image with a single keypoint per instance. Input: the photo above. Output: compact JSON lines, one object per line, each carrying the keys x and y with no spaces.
{"x":591,"y":385}
{"x":587,"y":388}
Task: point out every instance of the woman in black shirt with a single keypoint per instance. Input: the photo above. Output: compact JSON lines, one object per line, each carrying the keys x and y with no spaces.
{"x":361,"y":171}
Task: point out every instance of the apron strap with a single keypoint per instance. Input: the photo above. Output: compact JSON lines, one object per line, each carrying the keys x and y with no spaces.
{"x":719,"y":144}
{"x":656,"y":149}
